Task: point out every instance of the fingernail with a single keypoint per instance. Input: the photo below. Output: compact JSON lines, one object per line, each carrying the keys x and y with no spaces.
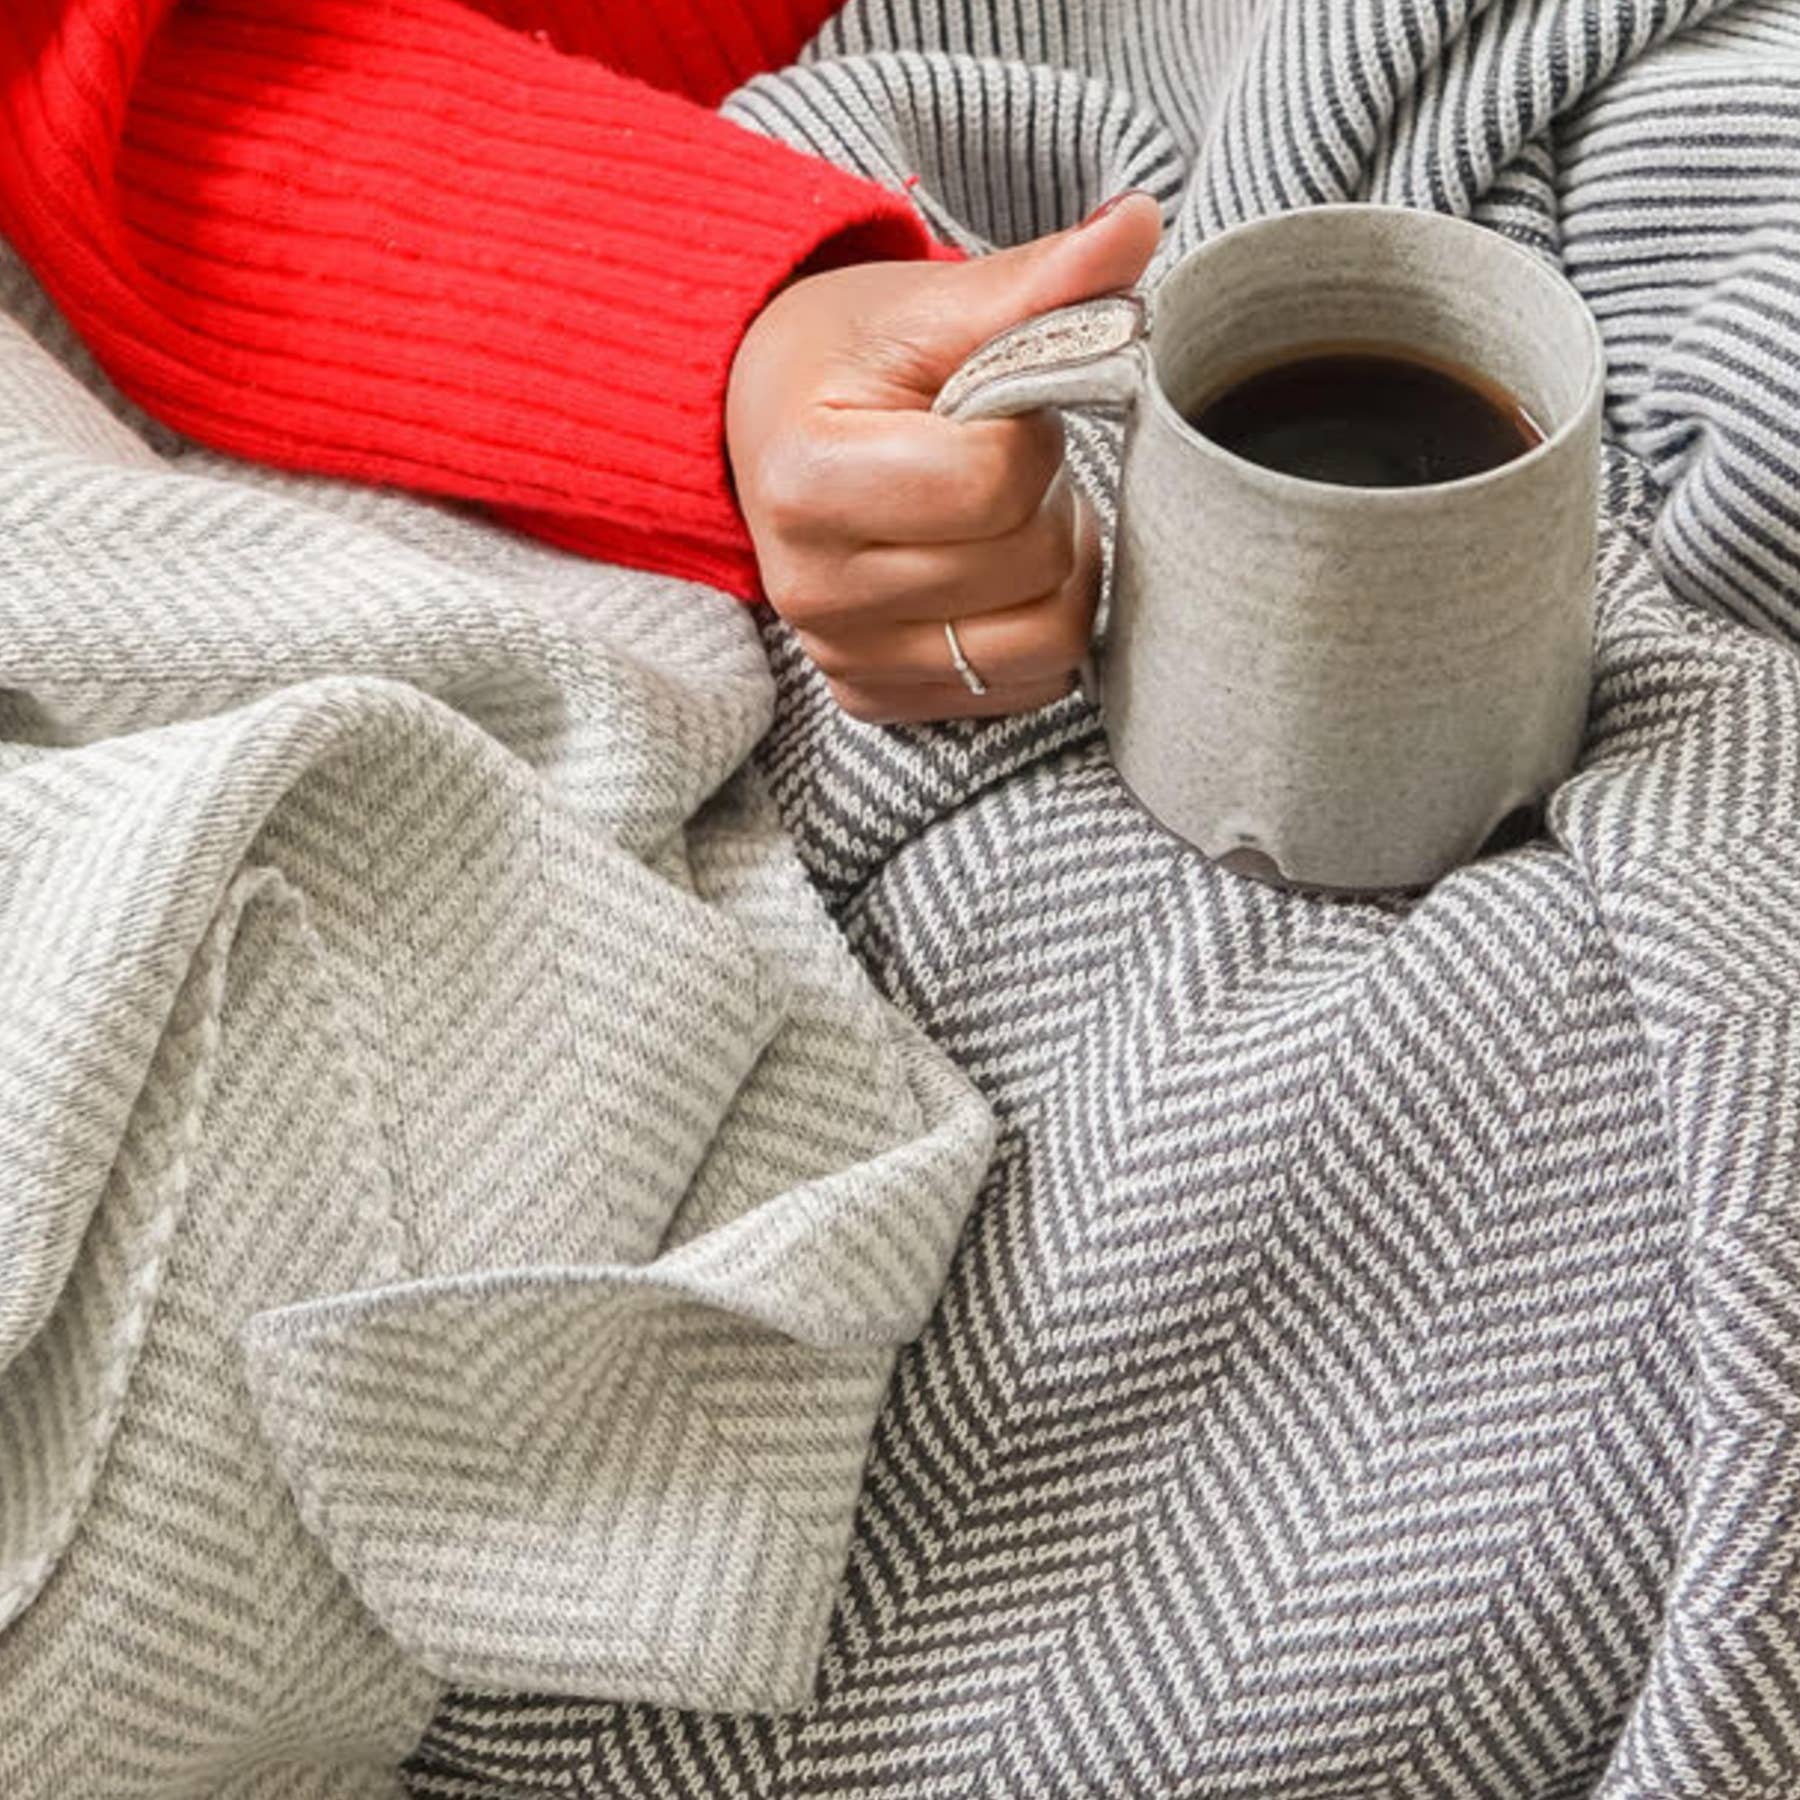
{"x":1106,"y":206}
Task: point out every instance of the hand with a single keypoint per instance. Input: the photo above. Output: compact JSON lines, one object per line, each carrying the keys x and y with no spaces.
{"x":874,"y":520}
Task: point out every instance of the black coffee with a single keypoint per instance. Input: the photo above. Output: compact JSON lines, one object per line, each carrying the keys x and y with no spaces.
{"x":1367,"y":416}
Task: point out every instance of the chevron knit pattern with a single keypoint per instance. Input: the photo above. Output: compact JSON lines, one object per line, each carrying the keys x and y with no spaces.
{"x":462,"y":1199}
{"x":1373,"y":1369}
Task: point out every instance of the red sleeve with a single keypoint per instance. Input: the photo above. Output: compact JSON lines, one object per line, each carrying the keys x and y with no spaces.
{"x":408,"y":244}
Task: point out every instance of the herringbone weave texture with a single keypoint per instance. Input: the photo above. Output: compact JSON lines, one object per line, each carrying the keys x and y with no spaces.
{"x":1373,"y":1371}
{"x":461,"y":1197}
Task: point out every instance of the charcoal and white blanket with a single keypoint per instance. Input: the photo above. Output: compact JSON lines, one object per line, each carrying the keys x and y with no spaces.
{"x":1372,"y":1367}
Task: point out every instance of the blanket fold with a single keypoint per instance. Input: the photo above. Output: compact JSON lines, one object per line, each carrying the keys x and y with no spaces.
{"x":466,"y":1205}
{"x":463,"y":1199}
{"x":1369,"y":1373}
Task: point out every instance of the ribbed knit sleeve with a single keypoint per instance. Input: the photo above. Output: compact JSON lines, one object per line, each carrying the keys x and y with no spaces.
{"x":407,"y":243}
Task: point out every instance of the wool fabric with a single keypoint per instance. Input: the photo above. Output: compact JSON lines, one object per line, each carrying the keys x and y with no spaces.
{"x":500,"y":253}
{"x":1370,"y":1369}
{"x":461,"y":1200}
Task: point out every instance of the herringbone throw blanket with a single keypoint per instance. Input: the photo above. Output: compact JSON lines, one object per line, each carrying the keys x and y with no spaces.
{"x":1373,"y":1369}
{"x":461,"y":1198}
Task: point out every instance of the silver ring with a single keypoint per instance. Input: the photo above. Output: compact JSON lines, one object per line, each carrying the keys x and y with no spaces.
{"x":964,"y":668}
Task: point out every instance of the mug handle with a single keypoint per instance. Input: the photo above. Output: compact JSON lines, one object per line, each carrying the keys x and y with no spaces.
{"x":1089,"y":354}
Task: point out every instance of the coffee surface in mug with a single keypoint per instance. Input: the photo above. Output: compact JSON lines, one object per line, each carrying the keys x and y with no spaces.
{"x":1367,"y":415}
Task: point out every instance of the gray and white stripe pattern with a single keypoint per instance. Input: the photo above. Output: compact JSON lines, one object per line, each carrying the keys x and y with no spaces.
{"x":461,"y":1199}
{"x":1373,"y":1368}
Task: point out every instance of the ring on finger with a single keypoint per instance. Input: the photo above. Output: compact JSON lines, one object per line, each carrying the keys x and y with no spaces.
{"x":970,"y":679}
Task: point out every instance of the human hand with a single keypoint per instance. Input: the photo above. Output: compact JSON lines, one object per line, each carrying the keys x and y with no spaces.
{"x":875,"y":520}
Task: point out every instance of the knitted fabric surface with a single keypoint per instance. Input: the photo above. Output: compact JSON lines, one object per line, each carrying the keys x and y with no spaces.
{"x":488,"y":250}
{"x":461,"y":1199}
{"x":1373,"y":1368}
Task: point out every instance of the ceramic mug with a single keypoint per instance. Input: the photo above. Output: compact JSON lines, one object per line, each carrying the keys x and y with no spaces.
{"x":1333,"y":687}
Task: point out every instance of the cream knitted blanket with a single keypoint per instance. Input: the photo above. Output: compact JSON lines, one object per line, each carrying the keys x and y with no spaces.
{"x":461,"y":1200}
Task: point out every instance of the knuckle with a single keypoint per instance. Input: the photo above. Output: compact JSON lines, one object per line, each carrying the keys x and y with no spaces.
{"x":792,"y":479}
{"x":800,"y":587}
{"x":828,"y":658}
{"x":772,"y":495}
{"x":859,"y":704}
{"x":786,"y":589}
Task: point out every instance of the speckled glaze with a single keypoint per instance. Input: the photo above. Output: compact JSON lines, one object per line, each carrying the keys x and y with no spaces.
{"x":1335,"y":687}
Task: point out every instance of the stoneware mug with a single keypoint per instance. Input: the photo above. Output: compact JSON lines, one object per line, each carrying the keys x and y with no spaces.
{"x":1332,"y":687}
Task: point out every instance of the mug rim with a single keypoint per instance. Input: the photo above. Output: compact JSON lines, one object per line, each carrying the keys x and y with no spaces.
{"x":1279,"y":481}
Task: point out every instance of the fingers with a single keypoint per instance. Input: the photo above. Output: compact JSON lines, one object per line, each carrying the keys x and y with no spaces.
{"x":972,"y":301}
{"x":874,"y":520}
{"x":886,"y":584}
{"x":875,"y":705}
{"x":1026,"y":654}
{"x":1025,"y":643}
{"x":901,"y":478}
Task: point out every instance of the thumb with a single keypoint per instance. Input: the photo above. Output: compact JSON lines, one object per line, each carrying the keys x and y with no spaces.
{"x":1107,"y":251}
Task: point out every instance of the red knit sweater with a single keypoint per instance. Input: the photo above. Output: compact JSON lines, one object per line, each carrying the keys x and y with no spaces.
{"x":463,"y":248}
